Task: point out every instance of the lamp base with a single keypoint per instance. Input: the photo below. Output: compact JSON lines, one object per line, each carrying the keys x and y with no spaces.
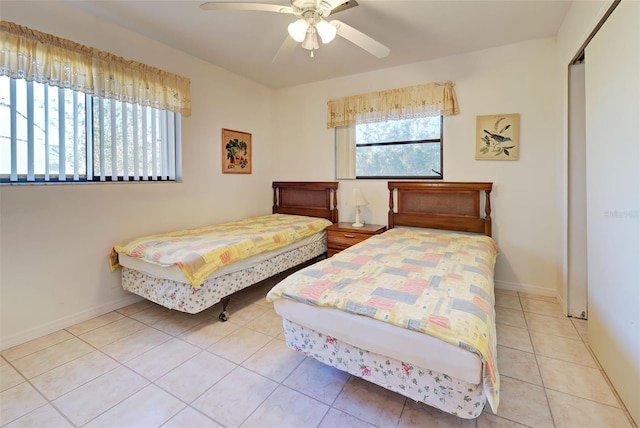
{"x":358,"y":223}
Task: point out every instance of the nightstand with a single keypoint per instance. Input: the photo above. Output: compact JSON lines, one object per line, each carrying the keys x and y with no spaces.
{"x":342,"y":235}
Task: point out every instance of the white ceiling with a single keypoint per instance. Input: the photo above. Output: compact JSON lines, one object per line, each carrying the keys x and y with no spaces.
{"x":246,"y":42}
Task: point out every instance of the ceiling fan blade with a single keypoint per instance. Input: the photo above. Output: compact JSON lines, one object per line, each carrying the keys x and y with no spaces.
{"x":264,"y":7}
{"x":361,"y":40}
{"x":330,"y":4}
{"x":285,"y":48}
{"x":334,"y":6}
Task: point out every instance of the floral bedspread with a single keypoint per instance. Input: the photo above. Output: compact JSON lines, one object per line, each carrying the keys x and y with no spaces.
{"x":200,"y":252}
{"x":440,"y":284}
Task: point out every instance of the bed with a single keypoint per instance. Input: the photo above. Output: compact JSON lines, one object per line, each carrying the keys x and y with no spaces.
{"x":411,"y":309}
{"x":161,"y":269}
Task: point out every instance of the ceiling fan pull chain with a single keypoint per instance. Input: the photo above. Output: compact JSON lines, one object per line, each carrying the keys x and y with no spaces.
{"x":312,"y":54}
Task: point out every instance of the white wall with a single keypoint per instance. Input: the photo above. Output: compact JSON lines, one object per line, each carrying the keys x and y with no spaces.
{"x":55,"y":238}
{"x":520,"y":78}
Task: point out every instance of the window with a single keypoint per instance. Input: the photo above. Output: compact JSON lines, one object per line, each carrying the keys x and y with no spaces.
{"x":73,"y":113}
{"x":405,"y":148}
{"x":50,"y":134}
{"x":400,"y":148}
{"x":395,"y":133}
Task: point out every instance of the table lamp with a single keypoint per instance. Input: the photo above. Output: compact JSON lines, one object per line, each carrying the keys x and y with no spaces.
{"x":357,"y":200}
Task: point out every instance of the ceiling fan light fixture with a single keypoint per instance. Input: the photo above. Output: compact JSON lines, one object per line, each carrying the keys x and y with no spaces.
{"x":298,"y":30}
{"x":310,"y":42}
{"x":326,"y":31}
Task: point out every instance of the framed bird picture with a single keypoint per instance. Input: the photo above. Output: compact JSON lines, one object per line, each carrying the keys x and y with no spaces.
{"x":497,"y":137}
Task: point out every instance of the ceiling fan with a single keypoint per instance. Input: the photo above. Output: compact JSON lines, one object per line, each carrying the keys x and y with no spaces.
{"x":311,"y":23}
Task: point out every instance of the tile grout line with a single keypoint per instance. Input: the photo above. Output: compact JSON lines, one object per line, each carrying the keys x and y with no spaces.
{"x":589,"y":350}
{"x":119,"y":364}
{"x":404,"y":406}
{"x":278,"y":383}
{"x":611,"y":387}
{"x":150,"y":381}
{"x":237,"y":365}
{"x":329,"y":406}
{"x":535,"y":355}
{"x":51,"y":402}
{"x":94,"y":348}
{"x":47,"y":401}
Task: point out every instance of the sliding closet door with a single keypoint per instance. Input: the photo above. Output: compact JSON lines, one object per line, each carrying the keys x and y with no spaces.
{"x":613,"y":194}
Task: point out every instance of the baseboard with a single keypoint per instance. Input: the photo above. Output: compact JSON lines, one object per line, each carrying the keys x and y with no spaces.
{"x":565,"y":307}
{"x":526,"y":288}
{"x":61,"y":323}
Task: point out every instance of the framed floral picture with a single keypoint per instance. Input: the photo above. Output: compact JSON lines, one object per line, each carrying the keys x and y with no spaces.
{"x":497,"y":137}
{"x":236,"y":152}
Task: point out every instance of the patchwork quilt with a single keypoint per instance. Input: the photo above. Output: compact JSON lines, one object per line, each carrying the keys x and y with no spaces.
{"x":440,"y":284}
{"x":200,"y":252}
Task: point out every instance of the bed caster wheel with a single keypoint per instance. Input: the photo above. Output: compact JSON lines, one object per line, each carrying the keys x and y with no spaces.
{"x":223,"y":316}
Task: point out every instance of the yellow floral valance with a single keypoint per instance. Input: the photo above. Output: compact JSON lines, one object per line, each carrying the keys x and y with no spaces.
{"x":44,"y":58}
{"x":431,"y":99}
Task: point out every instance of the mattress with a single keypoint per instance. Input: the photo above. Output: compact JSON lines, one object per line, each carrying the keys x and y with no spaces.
{"x":399,"y":343}
{"x":173,"y":273}
{"x":200,"y":252}
{"x":182,"y":296}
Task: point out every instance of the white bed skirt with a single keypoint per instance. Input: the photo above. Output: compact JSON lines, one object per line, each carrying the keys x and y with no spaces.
{"x":459,"y":398}
{"x":183,"y":297}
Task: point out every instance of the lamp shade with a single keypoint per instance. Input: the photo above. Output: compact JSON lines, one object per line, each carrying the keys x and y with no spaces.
{"x":326,"y":31}
{"x":357,"y":198}
{"x":298,"y":30}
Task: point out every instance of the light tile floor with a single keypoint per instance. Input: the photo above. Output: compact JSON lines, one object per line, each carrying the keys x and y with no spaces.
{"x":146,"y":366}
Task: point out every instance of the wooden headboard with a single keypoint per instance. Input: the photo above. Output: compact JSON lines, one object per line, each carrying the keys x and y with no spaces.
{"x":440,"y":205}
{"x":310,"y":198}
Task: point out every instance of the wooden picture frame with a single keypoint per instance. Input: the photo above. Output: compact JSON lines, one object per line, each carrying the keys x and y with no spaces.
{"x":497,"y":137}
{"x":236,"y":152}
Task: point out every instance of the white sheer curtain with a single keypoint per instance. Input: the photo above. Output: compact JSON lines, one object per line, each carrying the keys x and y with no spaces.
{"x":346,"y":152}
